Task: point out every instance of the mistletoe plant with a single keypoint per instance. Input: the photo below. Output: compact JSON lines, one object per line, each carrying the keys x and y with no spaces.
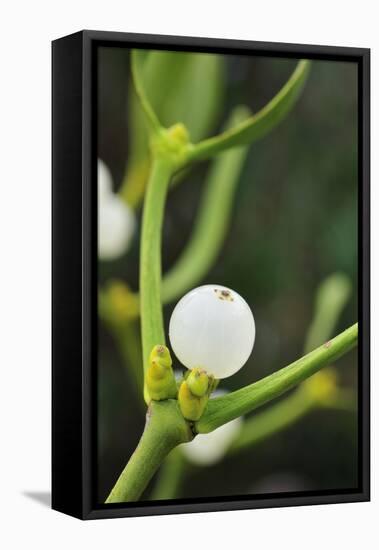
{"x":212,"y":328}
{"x":320,"y":391}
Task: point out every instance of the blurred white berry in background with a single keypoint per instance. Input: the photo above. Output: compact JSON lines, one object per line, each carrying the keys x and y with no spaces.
{"x":116,"y":220}
{"x":212,"y":327}
{"x":104,"y":179}
{"x":207,"y":449}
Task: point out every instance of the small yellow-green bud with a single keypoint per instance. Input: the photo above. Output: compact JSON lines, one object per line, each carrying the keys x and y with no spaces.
{"x":191,"y":405}
{"x":198,"y":382}
{"x":172,"y":143}
{"x":179,"y":133}
{"x":161,"y":354}
{"x":160,"y":379}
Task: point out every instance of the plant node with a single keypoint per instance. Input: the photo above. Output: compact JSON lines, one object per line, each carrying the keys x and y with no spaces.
{"x":172,"y":143}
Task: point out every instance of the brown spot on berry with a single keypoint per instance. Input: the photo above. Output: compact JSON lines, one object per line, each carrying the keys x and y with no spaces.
{"x":224,"y":294}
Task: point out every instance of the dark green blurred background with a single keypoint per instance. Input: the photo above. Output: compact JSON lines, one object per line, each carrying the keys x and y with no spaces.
{"x":295,"y":222}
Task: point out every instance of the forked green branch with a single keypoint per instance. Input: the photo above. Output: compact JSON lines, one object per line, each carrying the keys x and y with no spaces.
{"x":259,"y":124}
{"x":165,"y":429}
{"x":226,"y":408}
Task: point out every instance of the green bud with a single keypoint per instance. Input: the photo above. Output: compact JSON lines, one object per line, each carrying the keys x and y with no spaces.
{"x":198,"y":382}
{"x":179,"y":134}
{"x":160,"y":379}
{"x":161,"y":355}
{"x":172,"y":143}
{"x":191,"y":406}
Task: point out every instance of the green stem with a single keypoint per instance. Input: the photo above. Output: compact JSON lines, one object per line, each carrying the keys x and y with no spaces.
{"x":285,"y":413}
{"x":331,"y":297}
{"x":226,"y":408}
{"x":211,"y":222}
{"x":170,"y":476}
{"x":258,"y":125}
{"x":150,"y":263}
{"x":137,"y":58}
{"x":165,"y":429}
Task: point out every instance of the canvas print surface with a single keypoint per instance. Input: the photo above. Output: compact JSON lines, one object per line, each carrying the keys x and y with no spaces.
{"x":227,"y":194}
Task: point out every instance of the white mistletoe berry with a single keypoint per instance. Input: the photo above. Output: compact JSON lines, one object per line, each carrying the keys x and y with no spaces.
{"x":207,"y":449}
{"x":212,"y":327}
{"x":104,"y":179}
{"x":116,"y":221}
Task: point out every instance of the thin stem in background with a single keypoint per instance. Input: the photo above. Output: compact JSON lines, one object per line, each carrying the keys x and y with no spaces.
{"x":170,"y":476}
{"x":137,"y":59}
{"x":331,"y":297}
{"x":276,"y":418}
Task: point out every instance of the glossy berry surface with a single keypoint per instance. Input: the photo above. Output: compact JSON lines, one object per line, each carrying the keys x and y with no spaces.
{"x":212,"y":327}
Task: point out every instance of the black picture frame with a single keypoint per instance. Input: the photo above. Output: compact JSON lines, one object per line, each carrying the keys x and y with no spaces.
{"x":74,"y":270}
